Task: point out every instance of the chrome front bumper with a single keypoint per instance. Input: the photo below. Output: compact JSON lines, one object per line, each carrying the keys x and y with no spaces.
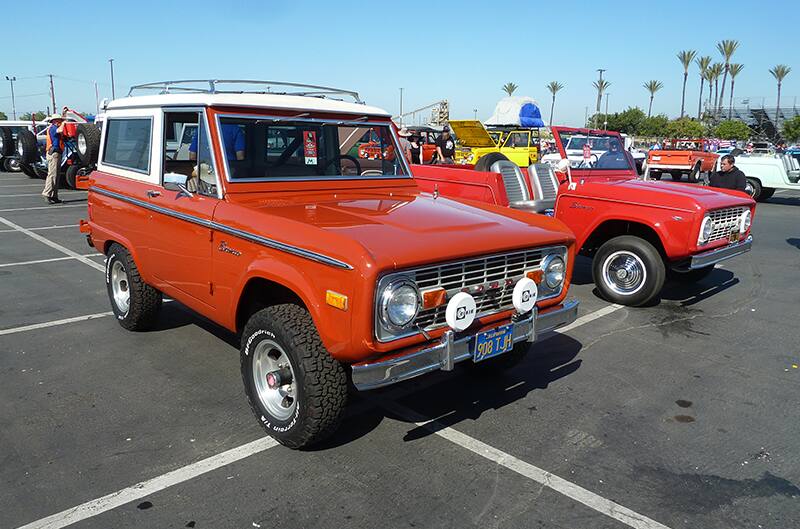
{"x":456,"y":347}
{"x":713,"y":257}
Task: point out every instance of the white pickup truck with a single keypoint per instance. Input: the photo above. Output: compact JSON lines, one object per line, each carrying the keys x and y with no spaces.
{"x":768,"y":172}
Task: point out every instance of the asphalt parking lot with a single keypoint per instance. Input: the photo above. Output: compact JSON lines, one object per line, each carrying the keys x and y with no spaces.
{"x":680,"y":415}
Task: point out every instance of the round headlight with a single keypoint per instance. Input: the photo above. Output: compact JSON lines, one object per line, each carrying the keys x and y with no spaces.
{"x":399,"y":303}
{"x":705,"y":230}
{"x":554,"y":270}
{"x":747,"y":219}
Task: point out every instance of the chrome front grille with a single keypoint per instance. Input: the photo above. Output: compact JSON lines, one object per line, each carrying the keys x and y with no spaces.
{"x":497,"y":273}
{"x":724,"y":221}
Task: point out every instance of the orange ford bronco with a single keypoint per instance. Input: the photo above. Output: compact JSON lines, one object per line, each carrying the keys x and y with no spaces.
{"x":331,"y":268}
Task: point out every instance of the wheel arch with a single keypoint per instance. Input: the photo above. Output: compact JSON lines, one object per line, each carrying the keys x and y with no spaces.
{"x":610,"y":228}
{"x":260,"y":292}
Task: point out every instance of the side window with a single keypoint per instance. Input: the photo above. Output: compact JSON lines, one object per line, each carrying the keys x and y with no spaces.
{"x":517,"y":139}
{"x":204,"y":176}
{"x":128,"y":143}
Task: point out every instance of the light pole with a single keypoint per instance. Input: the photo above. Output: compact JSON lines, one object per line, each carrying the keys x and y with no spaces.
{"x":599,"y":93}
{"x":113,"y":92}
{"x":605,"y":117}
{"x":475,"y":114}
{"x":13,"y":103}
{"x":401,"y":108}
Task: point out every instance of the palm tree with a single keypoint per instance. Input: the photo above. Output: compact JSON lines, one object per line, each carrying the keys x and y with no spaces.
{"x":727,"y":49}
{"x":509,"y":88}
{"x":554,"y":87}
{"x":686,"y":57}
{"x":735,"y":70}
{"x":716,"y":71}
{"x":652,"y":87}
{"x":703,"y":63}
{"x":779,"y":72}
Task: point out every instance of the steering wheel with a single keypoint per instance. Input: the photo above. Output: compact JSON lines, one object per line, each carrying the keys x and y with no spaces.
{"x":323,"y":167}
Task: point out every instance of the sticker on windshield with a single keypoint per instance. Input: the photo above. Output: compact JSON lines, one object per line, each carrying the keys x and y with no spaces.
{"x":310,"y":147}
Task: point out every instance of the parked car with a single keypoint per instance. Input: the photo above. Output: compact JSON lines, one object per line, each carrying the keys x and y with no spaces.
{"x":519,"y":145}
{"x":331,"y":268}
{"x":585,"y":150}
{"x":9,"y":160}
{"x":635,"y":231}
{"x":766,"y":173}
{"x":679,"y":157}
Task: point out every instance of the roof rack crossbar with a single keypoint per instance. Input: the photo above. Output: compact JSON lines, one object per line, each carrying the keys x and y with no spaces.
{"x":166,"y":87}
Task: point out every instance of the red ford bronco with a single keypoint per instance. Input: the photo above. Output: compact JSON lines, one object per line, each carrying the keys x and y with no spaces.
{"x":328,"y":266}
{"x":635,"y":230}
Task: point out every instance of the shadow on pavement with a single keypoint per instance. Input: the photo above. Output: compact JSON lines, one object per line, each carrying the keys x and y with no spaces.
{"x":464,"y":394}
{"x":692,"y":293}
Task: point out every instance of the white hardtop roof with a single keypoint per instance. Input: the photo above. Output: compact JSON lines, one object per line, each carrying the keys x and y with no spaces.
{"x":262,"y":101}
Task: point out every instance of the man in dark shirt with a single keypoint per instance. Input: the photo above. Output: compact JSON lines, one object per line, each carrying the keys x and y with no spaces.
{"x":445,"y":148}
{"x":729,"y":176}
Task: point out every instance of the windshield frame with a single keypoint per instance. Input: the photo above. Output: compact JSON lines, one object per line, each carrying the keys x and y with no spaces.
{"x":311,"y":178}
{"x":586,"y":172}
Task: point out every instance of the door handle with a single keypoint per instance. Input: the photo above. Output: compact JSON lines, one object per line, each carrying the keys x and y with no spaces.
{"x":152,"y":194}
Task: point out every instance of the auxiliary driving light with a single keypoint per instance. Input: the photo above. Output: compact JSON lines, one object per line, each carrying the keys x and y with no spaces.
{"x":460,"y":311}
{"x":524,"y":296}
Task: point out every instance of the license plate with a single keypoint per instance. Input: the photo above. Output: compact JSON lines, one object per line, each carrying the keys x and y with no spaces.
{"x":734,"y":236}
{"x":492,"y":343}
{"x":656,"y":158}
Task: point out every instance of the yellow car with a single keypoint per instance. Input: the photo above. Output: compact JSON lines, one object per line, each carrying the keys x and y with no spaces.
{"x":521,"y":146}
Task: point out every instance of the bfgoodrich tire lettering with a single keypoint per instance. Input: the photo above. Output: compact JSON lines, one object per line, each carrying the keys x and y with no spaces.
{"x":143,"y":301}
{"x":628,"y":270}
{"x":318,"y":383}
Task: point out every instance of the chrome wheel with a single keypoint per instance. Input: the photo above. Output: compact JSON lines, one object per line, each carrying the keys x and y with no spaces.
{"x":624,"y":272}
{"x":120,"y":287}
{"x":748,"y":188}
{"x":274,"y":380}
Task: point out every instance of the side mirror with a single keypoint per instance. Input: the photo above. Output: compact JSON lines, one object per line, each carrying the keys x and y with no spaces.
{"x":177,"y":182}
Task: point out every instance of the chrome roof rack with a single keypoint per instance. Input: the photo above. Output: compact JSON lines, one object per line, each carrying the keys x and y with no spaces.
{"x":211,"y":86}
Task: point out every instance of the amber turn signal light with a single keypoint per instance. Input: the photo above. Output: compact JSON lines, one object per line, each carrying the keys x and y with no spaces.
{"x":536,"y":275}
{"x":334,"y":299}
{"x":433,"y":298}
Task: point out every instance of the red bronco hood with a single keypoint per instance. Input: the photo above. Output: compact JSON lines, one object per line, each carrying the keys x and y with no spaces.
{"x":397,"y":227}
{"x":685,"y":197}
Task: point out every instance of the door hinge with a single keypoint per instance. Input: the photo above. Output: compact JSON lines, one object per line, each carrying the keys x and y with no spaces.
{"x":211,"y":235}
{"x":211,"y":288}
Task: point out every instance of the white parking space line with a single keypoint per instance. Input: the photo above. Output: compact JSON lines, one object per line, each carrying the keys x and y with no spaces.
{"x":52,"y":244}
{"x":39,"y":194}
{"x":40,"y":186}
{"x":45,"y":228}
{"x":151,"y":486}
{"x":39,"y":261}
{"x":55,"y":323}
{"x":571,"y":490}
{"x":53,"y":207}
{"x":140,"y":490}
{"x":586,"y":318}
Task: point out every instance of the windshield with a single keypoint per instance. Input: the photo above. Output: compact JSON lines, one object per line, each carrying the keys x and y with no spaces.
{"x":266,"y":148}
{"x":596,"y":151}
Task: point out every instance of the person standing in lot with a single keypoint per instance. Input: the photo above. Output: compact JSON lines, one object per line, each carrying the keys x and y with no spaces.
{"x":729,"y":176}
{"x":445,"y":148}
{"x":416,"y":149}
{"x":55,"y":146}
{"x":405,"y":145}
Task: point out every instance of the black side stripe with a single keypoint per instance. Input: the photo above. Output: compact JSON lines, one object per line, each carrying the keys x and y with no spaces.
{"x":258,"y":239}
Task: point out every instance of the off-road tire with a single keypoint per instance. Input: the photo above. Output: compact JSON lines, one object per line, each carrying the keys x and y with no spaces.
{"x":91,"y":134}
{"x":145,"y":301}
{"x":766,"y":193}
{"x":6,"y":142}
{"x":755,"y":185}
{"x":694,"y":175}
{"x":486,"y":161}
{"x":27,"y":146}
{"x":12,"y":165}
{"x":27,"y":170}
{"x":691,"y":276}
{"x":500,"y":364}
{"x":646,"y":253}
{"x":320,"y":382}
{"x":70,"y":176}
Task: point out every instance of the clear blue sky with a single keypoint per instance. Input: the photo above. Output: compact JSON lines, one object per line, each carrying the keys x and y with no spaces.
{"x":460,"y":51}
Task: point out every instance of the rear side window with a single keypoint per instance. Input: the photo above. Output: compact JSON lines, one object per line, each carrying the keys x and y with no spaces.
{"x":128,"y":143}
